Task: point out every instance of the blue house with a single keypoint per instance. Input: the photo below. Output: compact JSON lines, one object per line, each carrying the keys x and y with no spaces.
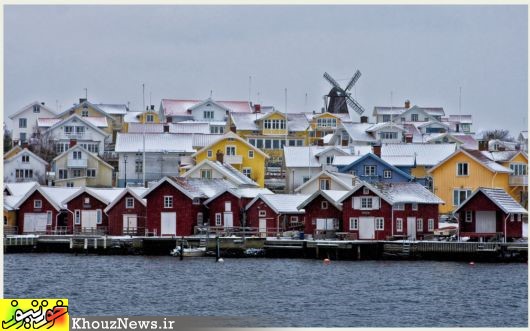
{"x":373,"y":169}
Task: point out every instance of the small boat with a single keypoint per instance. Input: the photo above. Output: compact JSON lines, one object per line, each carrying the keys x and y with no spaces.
{"x":189,"y":252}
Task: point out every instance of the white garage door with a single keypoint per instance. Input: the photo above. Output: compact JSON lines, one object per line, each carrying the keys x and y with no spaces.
{"x":168,"y":224}
{"x":228,"y":220}
{"x":485,"y":222}
{"x":130,"y":222}
{"x":89,"y":219}
{"x":366,"y":228}
{"x":35,"y":222}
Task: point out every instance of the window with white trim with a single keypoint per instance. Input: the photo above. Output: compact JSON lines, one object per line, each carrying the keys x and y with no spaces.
{"x":324,"y":205}
{"x":76,"y":173}
{"x":209,"y":153}
{"x":369,"y":170}
{"x":329,"y":159}
{"x":168,"y":201}
{"x":519,"y":169}
{"x":22,"y":123}
{"x":379,"y":223}
{"x":76,"y":155}
{"x":354,"y":223}
{"x":77,"y":216}
{"x":218,"y":220}
{"x":99,"y":216}
{"x":36,"y":108}
{"x":430,"y":224}
{"x":49,"y":217}
{"x":462,"y":169}
{"x":399,"y":206}
{"x":150,"y":118}
{"x":250,"y":154}
{"x":414,"y":206}
{"x":200,"y":218}
{"x":387,"y":174}
{"x":460,"y":195}
{"x":419,"y":224}
{"x":294,"y":219}
{"x":399,"y":225}
{"x":91,"y":173}
{"x":208,"y":114}
{"x":469,"y":216}
{"x":366,"y":190}
{"x":247,"y":172}
{"x":86,"y":201}
{"x":324,"y":184}
{"x":129,"y":203}
{"x":206,"y":173}
{"x":25,"y":158}
{"x":84,"y":113}
{"x":262,"y":213}
{"x":366,"y":203}
{"x":230,"y":150}
{"x":37,"y":204}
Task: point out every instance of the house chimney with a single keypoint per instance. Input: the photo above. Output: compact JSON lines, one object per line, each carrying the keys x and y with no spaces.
{"x":73,"y":142}
{"x":483,"y":145}
{"x":219,"y":156}
{"x":152,"y":107}
{"x":25,"y":145}
{"x":377,"y":149}
{"x":257,"y":108}
{"x":42,"y":103}
{"x":81,"y":100}
{"x":407,"y":104}
{"x":364,"y":119}
{"x":408,"y":138}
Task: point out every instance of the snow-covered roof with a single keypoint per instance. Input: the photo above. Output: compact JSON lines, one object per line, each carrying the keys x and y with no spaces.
{"x":382,"y":125}
{"x":93,"y":121}
{"x":281,"y":203}
{"x":59,"y":194}
{"x":155,"y":142}
{"x":342,"y":160}
{"x":136,"y":192}
{"x":147,"y":127}
{"x":47,"y":122}
{"x":425,"y":154}
{"x":344,"y":180}
{"x":510,"y":145}
{"x":202,"y":140}
{"x":500,"y":198}
{"x":296,"y":122}
{"x":87,"y":152}
{"x":247,"y":192}
{"x":202,"y":188}
{"x":232,"y":174}
{"x":19,"y":189}
{"x":231,"y":135}
{"x":40,"y":104}
{"x":306,"y":156}
{"x":173,"y":107}
{"x":24,"y":151}
{"x":482,"y":158}
{"x":408,"y":192}
{"x":114,"y":109}
{"x":108,"y":194}
{"x":524,"y":134}
{"x":357,"y":131}
{"x":464,"y":119}
{"x":180,"y":127}
{"x":132,"y":117}
{"x":501,"y":156}
{"x":332,"y":196}
{"x":433,"y":111}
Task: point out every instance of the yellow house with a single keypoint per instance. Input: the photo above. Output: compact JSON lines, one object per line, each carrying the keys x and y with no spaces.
{"x":114,"y":113}
{"x":146,"y":117}
{"x":271,"y":131}
{"x":464,"y":171}
{"x":518,"y":180}
{"x":237,"y":152}
{"x":79,"y":167}
{"x":322,"y":125}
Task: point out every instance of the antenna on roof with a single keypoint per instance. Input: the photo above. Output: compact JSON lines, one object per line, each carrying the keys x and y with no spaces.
{"x":460,"y":102}
{"x":211,"y":92}
{"x":86,"y":93}
{"x":249,"y":88}
{"x":150,"y":98}
{"x":143,"y":96}
{"x":305,"y":102}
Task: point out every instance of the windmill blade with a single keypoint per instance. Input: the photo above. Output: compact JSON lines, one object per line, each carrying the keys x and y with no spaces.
{"x":353,"y":80}
{"x":332,"y":81}
{"x":354,"y":105}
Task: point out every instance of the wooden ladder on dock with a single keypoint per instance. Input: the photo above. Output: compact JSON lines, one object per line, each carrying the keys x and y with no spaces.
{"x":406,"y":248}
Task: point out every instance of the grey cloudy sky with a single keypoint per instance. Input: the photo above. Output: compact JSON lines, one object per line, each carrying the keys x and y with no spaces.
{"x":421,"y":53}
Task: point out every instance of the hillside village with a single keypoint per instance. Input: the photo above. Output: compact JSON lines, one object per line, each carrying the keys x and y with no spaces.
{"x":169,"y":170}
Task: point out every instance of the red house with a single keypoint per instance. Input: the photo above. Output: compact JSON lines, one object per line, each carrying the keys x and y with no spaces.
{"x":384,"y":210}
{"x":274,"y":213}
{"x":126,"y":213}
{"x":174,"y":206}
{"x":227,"y":208}
{"x":490,"y":212}
{"x":37,"y":212}
{"x":86,"y":207}
{"x":323,"y":212}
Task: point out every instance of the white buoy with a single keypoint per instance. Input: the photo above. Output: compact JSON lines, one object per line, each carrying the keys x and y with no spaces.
{"x":471,"y":263}
{"x":220,"y":260}
{"x":327,"y":261}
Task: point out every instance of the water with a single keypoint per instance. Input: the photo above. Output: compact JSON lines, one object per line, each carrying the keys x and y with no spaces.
{"x":279,"y":292}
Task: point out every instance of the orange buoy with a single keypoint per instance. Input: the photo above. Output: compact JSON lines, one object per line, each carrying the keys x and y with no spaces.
{"x":327,"y":261}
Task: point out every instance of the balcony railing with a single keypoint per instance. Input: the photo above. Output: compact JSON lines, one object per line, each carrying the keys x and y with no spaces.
{"x":233,"y":159}
{"x":75,"y":163}
{"x":518,"y":180}
{"x":75,"y":135}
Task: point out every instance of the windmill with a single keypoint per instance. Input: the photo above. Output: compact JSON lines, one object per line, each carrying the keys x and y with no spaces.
{"x":340,"y":98}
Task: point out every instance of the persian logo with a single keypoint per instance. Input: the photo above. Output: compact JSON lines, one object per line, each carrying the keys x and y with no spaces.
{"x":33,"y":314}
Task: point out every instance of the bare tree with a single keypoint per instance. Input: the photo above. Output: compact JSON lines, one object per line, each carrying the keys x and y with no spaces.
{"x":499,"y":134}
{"x":43,"y":145}
{"x":8,"y":140}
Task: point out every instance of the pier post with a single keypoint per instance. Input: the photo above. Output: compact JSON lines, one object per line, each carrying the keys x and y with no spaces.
{"x":304,"y":249}
{"x":105,"y":243}
{"x":71,"y":243}
{"x":217,"y":249}
{"x":182,"y":248}
{"x":317,"y":251}
{"x":358,"y":252}
{"x":95,"y":243}
{"x":86,"y":244}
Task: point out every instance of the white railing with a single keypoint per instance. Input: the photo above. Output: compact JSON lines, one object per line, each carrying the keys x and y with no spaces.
{"x":518,"y":180}
{"x":82,"y":163}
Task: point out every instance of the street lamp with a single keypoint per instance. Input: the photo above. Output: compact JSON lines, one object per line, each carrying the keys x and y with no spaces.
{"x":125,"y":162}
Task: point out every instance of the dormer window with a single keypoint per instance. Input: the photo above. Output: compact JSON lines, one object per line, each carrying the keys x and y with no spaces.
{"x":149,"y":118}
{"x":84,"y":113}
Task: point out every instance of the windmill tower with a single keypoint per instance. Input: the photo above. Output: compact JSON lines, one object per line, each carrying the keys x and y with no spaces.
{"x":338,"y":99}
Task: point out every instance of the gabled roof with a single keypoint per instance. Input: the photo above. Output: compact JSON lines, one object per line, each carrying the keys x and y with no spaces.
{"x":357,"y":131}
{"x":103,"y":195}
{"x":281,"y":203}
{"x":327,"y":114}
{"x":306,"y":156}
{"x":80,"y":118}
{"x":478,"y":157}
{"x":240,"y":193}
{"x":231,"y":173}
{"x":433,"y":111}
{"x":332,"y":196}
{"x":340,"y":178}
{"x":378,"y":160}
{"x":360,"y":184}
{"x":382,"y":125}
{"x":25,"y":151}
{"x":504,"y":156}
{"x":193,"y":187}
{"x":425,"y":154}
{"x":464,"y":119}
{"x":172,"y":107}
{"x":136,"y":192}
{"x":154,"y":142}
{"x":429,"y":123}
{"x":114,"y":109}
{"x":232,"y":136}
{"x":500,"y":198}
{"x":34,"y":189}
{"x":19,"y":188}
{"x":100,"y":122}
{"x":21,"y":110}
{"x":172,"y":182}
{"x":88,"y":104}
{"x":296,"y":122}
{"x":76,"y":147}
{"x":327,"y":149}
{"x":523,"y":135}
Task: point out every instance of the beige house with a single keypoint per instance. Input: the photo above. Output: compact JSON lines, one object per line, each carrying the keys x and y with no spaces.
{"x":79,"y":167}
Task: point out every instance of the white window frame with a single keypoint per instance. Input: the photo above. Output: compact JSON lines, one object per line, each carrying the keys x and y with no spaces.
{"x":365,"y":205}
{"x":370,"y":170}
{"x":91,"y":171}
{"x":469,"y":216}
{"x":399,"y":225}
{"x":247,"y":172}
{"x":379,"y":224}
{"x":208,"y":114}
{"x":468,"y":194}
{"x":415,"y":206}
{"x":399,"y":206}
{"x":37,"y":204}
{"x":430,"y":225}
{"x":149,"y":118}
{"x":366,"y":190}
{"x":218,"y":219}
{"x":419,"y":224}
{"x":129,"y":205}
{"x":262,"y":213}
{"x":77,"y":217}
{"x":209,"y":153}
{"x":230,"y":148}
{"x":23,"y":123}
{"x":250,"y":154}
{"x":99,"y":216}
{"x":324,"y":205}
{"x":168,"y":201}
{"x":324,"y":180}
{"x":387,"y":174}
{"x":354,"y":223}
{"x":293,"y":219}
{"x":25,"y":158}
{"x":49,"y":217}
{"x":206,"y":173}
{"x":460,"y":169}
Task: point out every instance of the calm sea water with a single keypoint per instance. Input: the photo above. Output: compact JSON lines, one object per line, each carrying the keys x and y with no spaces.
{"x":279,"y":292}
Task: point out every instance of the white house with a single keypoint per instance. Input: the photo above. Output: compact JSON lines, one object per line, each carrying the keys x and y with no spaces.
{"x":25,"y":120}
{"x":21,"y":165}
{"x":522,"y":139}
{"x":407,"y":113}
{"x":87,"y":131}
{"x":327,"y":180}
{"x":214,"y":169}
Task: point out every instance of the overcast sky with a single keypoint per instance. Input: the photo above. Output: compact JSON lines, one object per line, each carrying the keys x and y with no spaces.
{"x":421,"y":53}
